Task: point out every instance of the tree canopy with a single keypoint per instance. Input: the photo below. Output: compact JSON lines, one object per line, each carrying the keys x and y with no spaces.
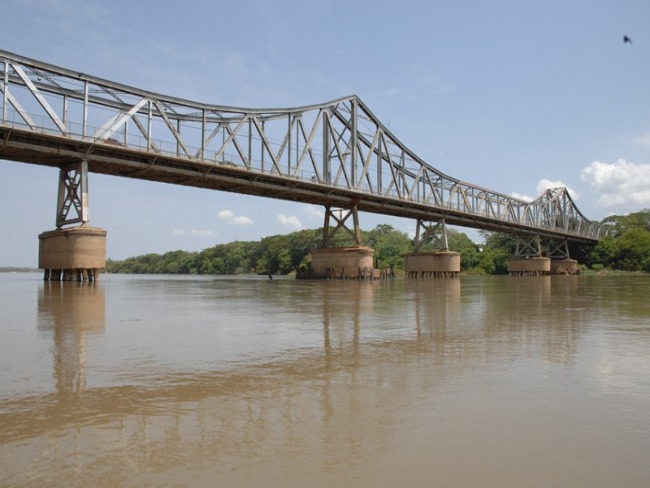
{"x":626,"y":248}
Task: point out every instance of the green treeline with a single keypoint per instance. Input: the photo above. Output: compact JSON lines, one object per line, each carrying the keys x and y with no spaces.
{"x":627,"y":248}
{"x":279,"y":254}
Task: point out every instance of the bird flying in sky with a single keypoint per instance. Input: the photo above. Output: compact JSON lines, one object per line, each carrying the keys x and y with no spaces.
{"x":627,"y":40}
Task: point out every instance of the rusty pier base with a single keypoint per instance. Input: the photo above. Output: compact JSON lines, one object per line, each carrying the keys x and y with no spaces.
{"x":72,"y":254}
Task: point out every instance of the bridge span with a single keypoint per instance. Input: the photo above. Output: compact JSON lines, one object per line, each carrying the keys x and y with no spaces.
{"x":337,"y":154}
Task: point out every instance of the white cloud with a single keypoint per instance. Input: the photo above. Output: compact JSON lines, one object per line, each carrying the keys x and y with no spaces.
{"x":622,"y":183}
{"x":290,"y":221}
{"x":642,"y":140}
{"x":229,"y":218}
{"x":410,"y":230}
{"x":194,"y":233}
{"x":543,"y":185}
{"x":314,"y":211}
{"x":525,"y":198}
{"x":203,"y":233}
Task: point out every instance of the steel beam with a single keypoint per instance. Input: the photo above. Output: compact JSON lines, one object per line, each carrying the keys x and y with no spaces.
{"x":431,"y":232}
{"x":340,"y":216}
{"x":73,"y":195}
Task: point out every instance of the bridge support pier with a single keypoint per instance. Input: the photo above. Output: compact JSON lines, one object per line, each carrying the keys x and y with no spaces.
{"x":561,"y":262}
{"x":442,"y":263}
{"x":533,"y":266}
{"x":566,"y":266}
{"x":72,"y":253}
{"x":528,"y":260}
{"x":342,"y":263}
{"x":345,"y":262}
{"x":438,"y":264}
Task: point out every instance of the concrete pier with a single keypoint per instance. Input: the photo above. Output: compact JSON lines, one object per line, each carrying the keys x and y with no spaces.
{"x":439,"y":264}
{"x":72,"y":254}
{"x":342,"y":263}
{"x":536,"y":266}
{"x":565,"y":267}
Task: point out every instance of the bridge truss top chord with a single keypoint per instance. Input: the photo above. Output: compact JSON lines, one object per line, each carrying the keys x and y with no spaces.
{"x":336,"y":154}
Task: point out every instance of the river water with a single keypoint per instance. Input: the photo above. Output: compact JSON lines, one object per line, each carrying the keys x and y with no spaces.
{"x":247,"y":382}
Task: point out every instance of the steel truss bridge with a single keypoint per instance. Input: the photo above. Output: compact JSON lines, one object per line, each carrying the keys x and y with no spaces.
{"x":337,"y":154}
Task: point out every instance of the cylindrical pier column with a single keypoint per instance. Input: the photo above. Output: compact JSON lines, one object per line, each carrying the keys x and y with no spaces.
{"x":439,"y":264}
{"x":565,"y":267}
{"x":342,"y":263}
{"x":537,"y":266}
{"x":73,"y":254}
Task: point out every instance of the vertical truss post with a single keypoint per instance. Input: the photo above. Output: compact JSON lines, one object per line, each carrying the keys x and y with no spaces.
{"x":84,"y":121}
{"x":379,"y":165}
{"x":434,"y":232}
{"x":289,"y":144}
{"x":340,"y":216}
{"x":262,"y":157}
{"x":203,"y":129}
{"x":65,"y":111}
{"x":5,"y":86}
{"x":73,"y":195}
{"x":402,"y":172}
{"x":353,"y":145}
{"x":357,"y":228}
{"x":326,"y":150}
{"x":149,"y":123}
{"x":178,"y":139}
{"x":326,"y":225}
{"x":528,"y":247}
{"x":249,"y":154}
{"x":297,"y":123}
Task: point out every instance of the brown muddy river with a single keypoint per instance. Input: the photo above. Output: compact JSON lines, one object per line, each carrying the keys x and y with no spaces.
{"x":245,"y":382}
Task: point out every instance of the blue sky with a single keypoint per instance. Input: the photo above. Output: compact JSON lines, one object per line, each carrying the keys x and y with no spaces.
{"x":513,"y":96}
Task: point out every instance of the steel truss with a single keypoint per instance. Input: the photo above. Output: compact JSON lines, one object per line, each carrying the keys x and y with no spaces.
{"x":73,"y":195}
{"x":431,"y":232}
{"x":528,"y":247}
{"x":340,"y":216}
{"x":531,"y":246}
{"x":558,"y":249}
{"x":339,"y":147}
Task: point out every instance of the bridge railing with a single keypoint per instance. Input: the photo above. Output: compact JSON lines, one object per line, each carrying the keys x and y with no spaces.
{"x":339,"y":144}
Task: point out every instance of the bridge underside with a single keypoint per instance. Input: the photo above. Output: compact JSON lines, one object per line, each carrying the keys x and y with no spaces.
{"x":111,"y":159}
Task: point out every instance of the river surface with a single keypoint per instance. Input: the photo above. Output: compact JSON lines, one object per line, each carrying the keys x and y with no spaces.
{"x":247,"y":382}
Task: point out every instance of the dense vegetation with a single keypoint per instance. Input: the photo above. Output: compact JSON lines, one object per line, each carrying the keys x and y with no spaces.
{"x":283,"y":254}
{"x":626,"y":248}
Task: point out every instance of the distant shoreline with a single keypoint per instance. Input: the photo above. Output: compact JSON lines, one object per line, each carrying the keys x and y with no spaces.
{"x":18,"y":270}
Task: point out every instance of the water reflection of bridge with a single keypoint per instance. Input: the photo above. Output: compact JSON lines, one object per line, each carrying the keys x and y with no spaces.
{"x":70,"y":313}
{"x":351,"y":390}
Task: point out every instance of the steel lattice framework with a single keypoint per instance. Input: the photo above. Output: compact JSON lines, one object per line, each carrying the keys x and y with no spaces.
{"x":333,"y":154}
